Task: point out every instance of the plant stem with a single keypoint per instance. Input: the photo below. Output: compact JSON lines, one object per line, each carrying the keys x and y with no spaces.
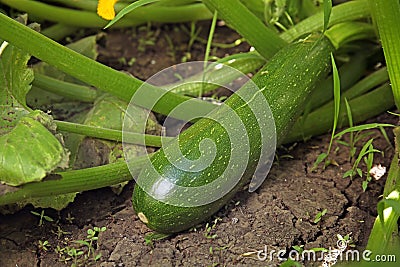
{"x":349,"y":74}
{"x":354,"y":31}
{"x":265,"y":40}
{"x":386,"y":15}
{"x":66,"y":89}
{"x":244,"y":63}
{"x":105,"y":78}
{"x":76,"y":181}
{"x":368,"y":83}
{"x":384,"y":238}
{"x":89,"y":19}
{"x":352,"y":10}
{"x":58,"y":31}
{"x":208,"y":48}
{"x":110,"y":134}
{"x":363,"y":107}
{"x":378,"y":77}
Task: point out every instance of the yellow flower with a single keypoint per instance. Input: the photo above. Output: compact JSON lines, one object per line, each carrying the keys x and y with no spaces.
{"x":105,"y":9}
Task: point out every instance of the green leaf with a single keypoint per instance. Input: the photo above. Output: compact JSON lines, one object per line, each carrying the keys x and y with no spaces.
{"x":298,"y":248}
{"x":394,"y":203}
{"x":55,"y":202}
{"x":362,"y":128}
{"x":327,"y":12}
{"x":97,"y":257}
{"x":15,"y":80}
{"x":359,"y":172}
{"x":319,"y":159}
{"x":82,"y":242}
{"x":348,"y":173}
{"x":386,"y":15}
{"x":30,"y":151}
{"x":364,"y":185}
{"x":128,"y":9}
{"x":108,"y":112}
{"x":319,"y":215}
{"x":149,"y":238}
{"x":336,"y":92}
{"x":290,"y":263}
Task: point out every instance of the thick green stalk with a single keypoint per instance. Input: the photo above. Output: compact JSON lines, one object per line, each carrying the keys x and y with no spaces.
{"x":265,"y":40}
{"x":66,"y":89}
{"x":349,"y":74}
{"x":105,"y":78}
{"x":110,"y":134}
{"x":82,"y":18}
{"x":58,"y":31}
{"x":57,"y":14}
{"x":386,"y":15}
{"x":243,"y":62}
{"x":352,"y":10}
{"x":368,"y":83}
{"x":75,"y":181}
{"x":320,"y":121}
{"x":384,"y":238}
{"x":354,"y":31}
{"x":91,"y":5}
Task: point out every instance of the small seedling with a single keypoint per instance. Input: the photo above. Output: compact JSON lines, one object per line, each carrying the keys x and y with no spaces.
{"x":42,"y":217}
{"x":149,"y":238}
{"x":70,"y":218}
{"x":319,"y":216}
{"x":43,"y":245}
{"x":60,"y":232}
{"x":92,"y":236}
{"x":290,"y":263}
{"x":67,"y":254}
{"x":208,"y":234}
{"x":366,"y":153}
{"x":299,"y":249}
{"x":209,"y":228}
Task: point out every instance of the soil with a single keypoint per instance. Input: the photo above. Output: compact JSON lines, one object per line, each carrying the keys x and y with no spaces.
{"x":279,"y":215}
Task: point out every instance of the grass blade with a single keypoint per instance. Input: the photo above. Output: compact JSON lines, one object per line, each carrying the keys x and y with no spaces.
{"x":336,"y":100}
{"x":362,"y":128}
{"x":266,"y":41}
{"x":327,"y":12}
{"x":129,"y":9}
{"x":386,"y":14}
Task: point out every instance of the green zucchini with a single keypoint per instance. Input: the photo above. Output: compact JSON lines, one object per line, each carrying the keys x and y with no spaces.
{"x":286,"y":82}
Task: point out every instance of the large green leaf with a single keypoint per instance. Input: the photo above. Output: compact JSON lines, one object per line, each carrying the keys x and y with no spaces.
{"x":15,"y":80}
{"x":108,"y":112}
{"x":30,"y":151}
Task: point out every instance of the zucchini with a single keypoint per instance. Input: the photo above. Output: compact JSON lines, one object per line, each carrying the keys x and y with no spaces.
{"x":286,"y":82}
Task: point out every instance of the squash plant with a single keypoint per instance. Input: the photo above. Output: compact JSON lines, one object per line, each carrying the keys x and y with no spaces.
{"x":296,"y":43}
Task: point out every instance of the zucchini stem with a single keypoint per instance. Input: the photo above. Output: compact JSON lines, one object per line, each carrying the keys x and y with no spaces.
{"x":110,"y":134}
{"x":76,"y":181}
{"x":266,"y":41}
{"x":66,"y":89}
{"x":363,"y":107}
{"x":352,"y":10}
{"x":386,"y":15}
{"x":94,"y":73}
{"x":84,"y":18}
